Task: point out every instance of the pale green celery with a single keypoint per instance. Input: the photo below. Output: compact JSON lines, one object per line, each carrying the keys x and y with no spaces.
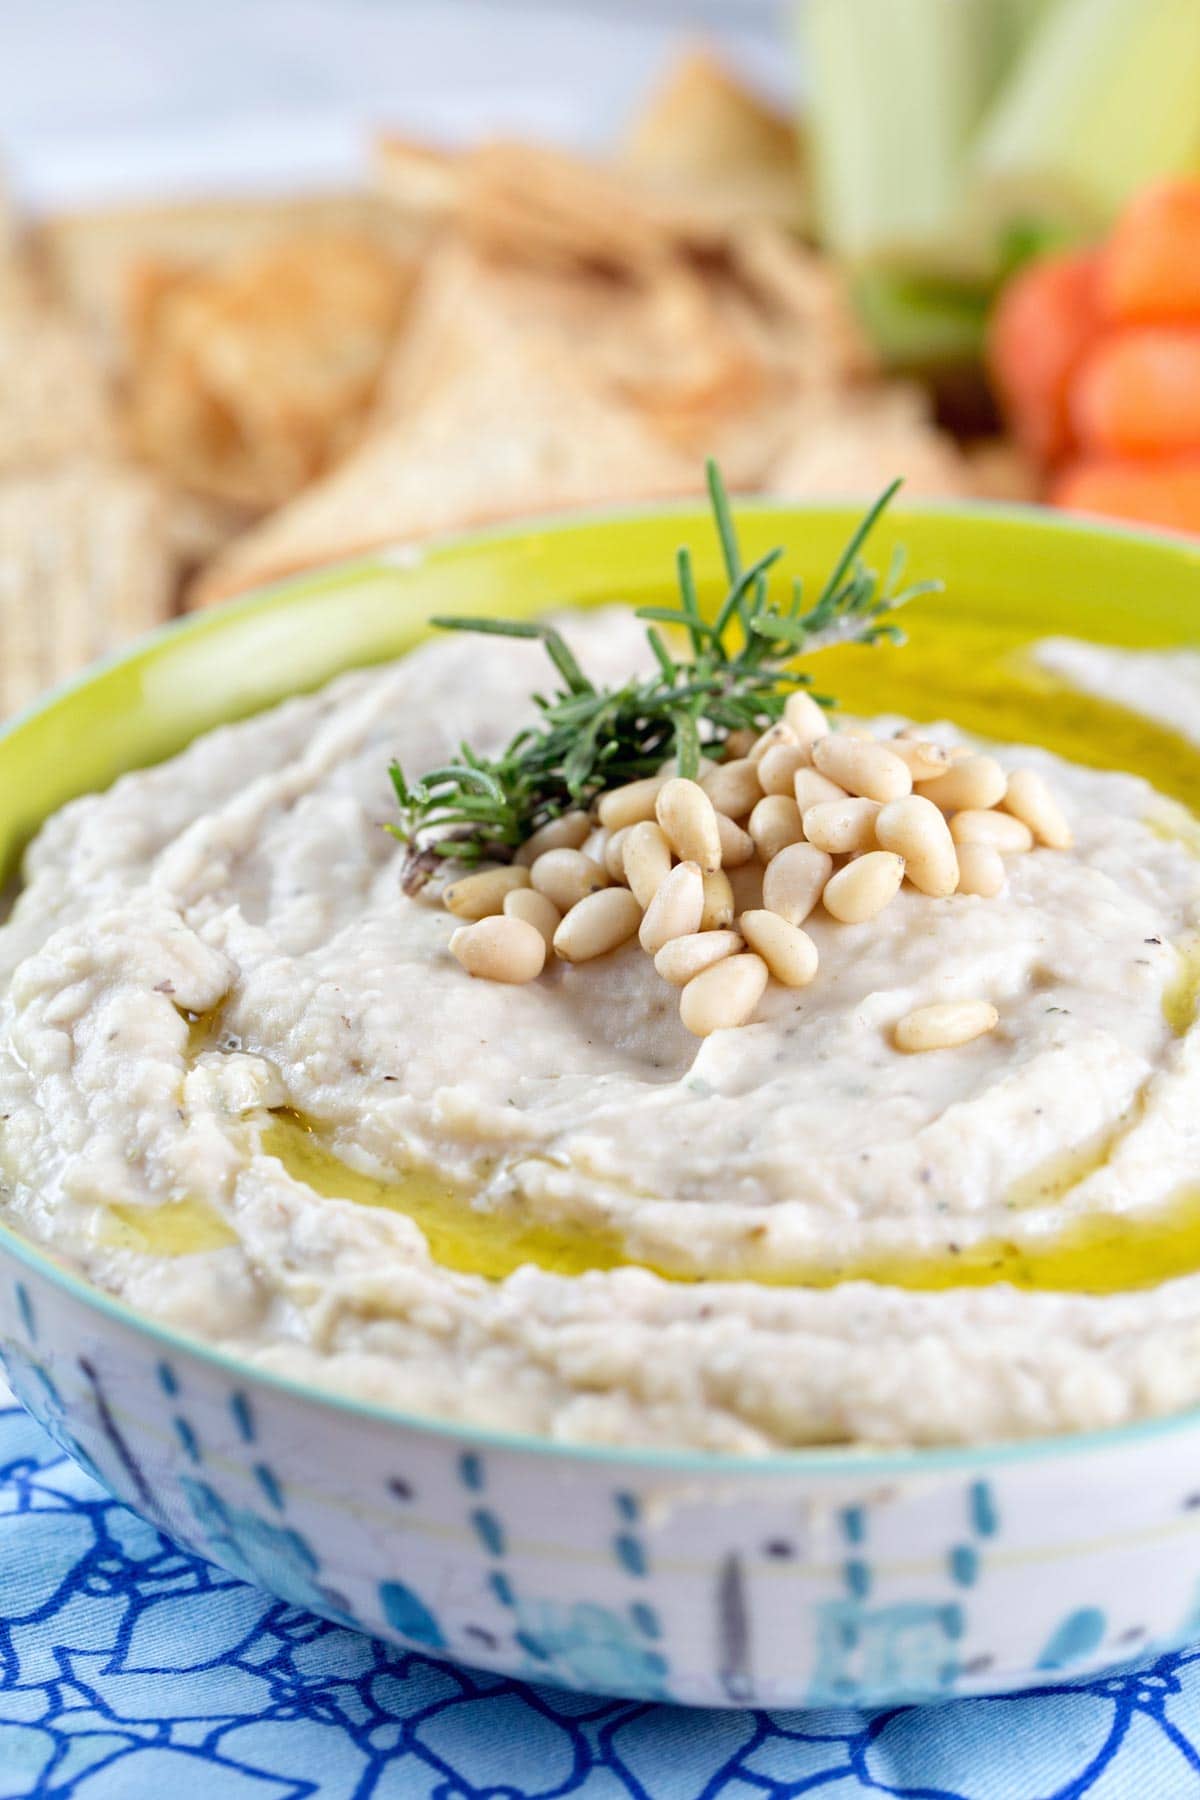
{"x":1105,"y":97}
{"x":897,"y":91}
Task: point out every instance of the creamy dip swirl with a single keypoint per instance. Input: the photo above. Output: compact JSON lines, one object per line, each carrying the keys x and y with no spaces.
{"x":222,"y":941}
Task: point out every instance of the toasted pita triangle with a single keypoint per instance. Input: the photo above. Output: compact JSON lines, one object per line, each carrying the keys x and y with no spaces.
{"x":849,"y":444}
{"x":718,"y":150}
{"x":485,"y":421}
{"x":88,"y":255}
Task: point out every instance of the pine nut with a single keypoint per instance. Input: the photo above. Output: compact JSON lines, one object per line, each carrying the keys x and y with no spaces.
{"x":842,"y":827}
{"x":739,"y":743}
{"x":718,"y":902}
{"x":565,"y":876}
{"x":684,"y":957}
{"x":596,"y":843}
{"x":811,"y":789}
{"x":980,"y":869}
{"x":734,"y":787}
{"x":1028,"y":798}
{"x":976,"y":782}
{"x":479,"y":895}
{"x":808,"y":720}
{"x":864,"y":887}
{"x":614,"y":853}
{"x":737,"y":846}
{"x":747,"y":884}
{"x":723,"y":996}
{"x":794,"y":880}
{"x":777,"y":769}
{"x":535,"y":909}
{"x":779,"y":733}
{"x":916,"y":830}
{"x":775,"y":823}
{"x":863,"y":766}
{"x":668,"y":769}
{"x":500,"y":949}
{"x":1004,"y":833}
{"x":597,"y":924}
{"x":689,"y":823}
{"x":676,"y":910}
{"x":945,"y":1026}
{"x":630,"y":804}
{"x":924,"y":759}
{"x":646,"y":859}
{"x":789,"y":953}
{"x":570,"y":832}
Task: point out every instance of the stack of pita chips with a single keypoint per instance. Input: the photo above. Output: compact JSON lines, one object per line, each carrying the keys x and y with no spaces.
{"x":84,"y":557}
{"x":167,"y":375}
{"x":586,"y":333}
{"x":195,"y":399}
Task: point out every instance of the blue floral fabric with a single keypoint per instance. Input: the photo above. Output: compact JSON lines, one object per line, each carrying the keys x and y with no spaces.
{"x":130,"y":1671}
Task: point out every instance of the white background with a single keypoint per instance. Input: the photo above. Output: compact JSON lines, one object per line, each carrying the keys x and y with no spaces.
{"x":108,"y":99}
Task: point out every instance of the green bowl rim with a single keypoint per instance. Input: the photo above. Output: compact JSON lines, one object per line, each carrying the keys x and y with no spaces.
{"x":835,"y":1461}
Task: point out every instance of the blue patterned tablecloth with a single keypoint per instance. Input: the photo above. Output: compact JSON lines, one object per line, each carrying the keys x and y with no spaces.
{"x":129,"y":1671}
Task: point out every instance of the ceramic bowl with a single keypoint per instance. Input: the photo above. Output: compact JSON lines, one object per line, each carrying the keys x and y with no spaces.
{"x":815,"y":1577}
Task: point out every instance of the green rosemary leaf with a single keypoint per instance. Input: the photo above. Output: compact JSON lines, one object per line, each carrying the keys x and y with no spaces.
{"x":914,"y":592}
{"x":858,"y":538}
{"x":687,"y":744}
{"x":724,"y":520}
{"x":585,"y":739}
{"x":517,"y":628}
{"x":662,"y":655}
{"x":674,"y":615}
{"x":741,"y":586}
{"x":556,"y":647}
{"x":779,"y":629}
{"x":697,"y":629}
{"x":896,"y":567}
{"x":564,"y":662}
{"x":465,"y":776}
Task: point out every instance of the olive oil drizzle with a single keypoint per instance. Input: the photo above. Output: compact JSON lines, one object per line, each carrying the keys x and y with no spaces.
{"x":176,"y":1228}
{"x":1099,"y":1254}
{"x":1182,"y":998}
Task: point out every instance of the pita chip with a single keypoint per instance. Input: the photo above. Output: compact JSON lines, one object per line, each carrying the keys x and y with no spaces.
{"x":247,"y":382}
{"x":528,"y":203}
{"x":84,"y":567}
{"x":708,"y":144}
{"x":87,"y":256}
{"x":851,"y":444}
{"x":54,"y":399}
{"x":485,"y":421}
{"x":423,"y":181}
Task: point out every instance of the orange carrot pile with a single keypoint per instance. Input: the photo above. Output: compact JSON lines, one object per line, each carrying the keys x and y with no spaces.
{"x":1096,"y":359}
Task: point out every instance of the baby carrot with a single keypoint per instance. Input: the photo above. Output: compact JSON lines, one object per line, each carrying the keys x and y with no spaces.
{"x":1038,"y":333}
{"x":1165,"y":492}
{"x":1150,"y":270}
{"x":1138,"y":392}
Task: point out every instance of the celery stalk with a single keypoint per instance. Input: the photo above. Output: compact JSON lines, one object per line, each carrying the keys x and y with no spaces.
{"x":897,"y":88}
{"x":1105,"y":97}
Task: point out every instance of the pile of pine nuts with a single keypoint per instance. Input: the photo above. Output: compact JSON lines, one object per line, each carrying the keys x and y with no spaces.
{"x":717,"y":876}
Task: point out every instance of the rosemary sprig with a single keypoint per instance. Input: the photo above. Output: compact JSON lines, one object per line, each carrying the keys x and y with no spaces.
{"x":738,"y":673}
